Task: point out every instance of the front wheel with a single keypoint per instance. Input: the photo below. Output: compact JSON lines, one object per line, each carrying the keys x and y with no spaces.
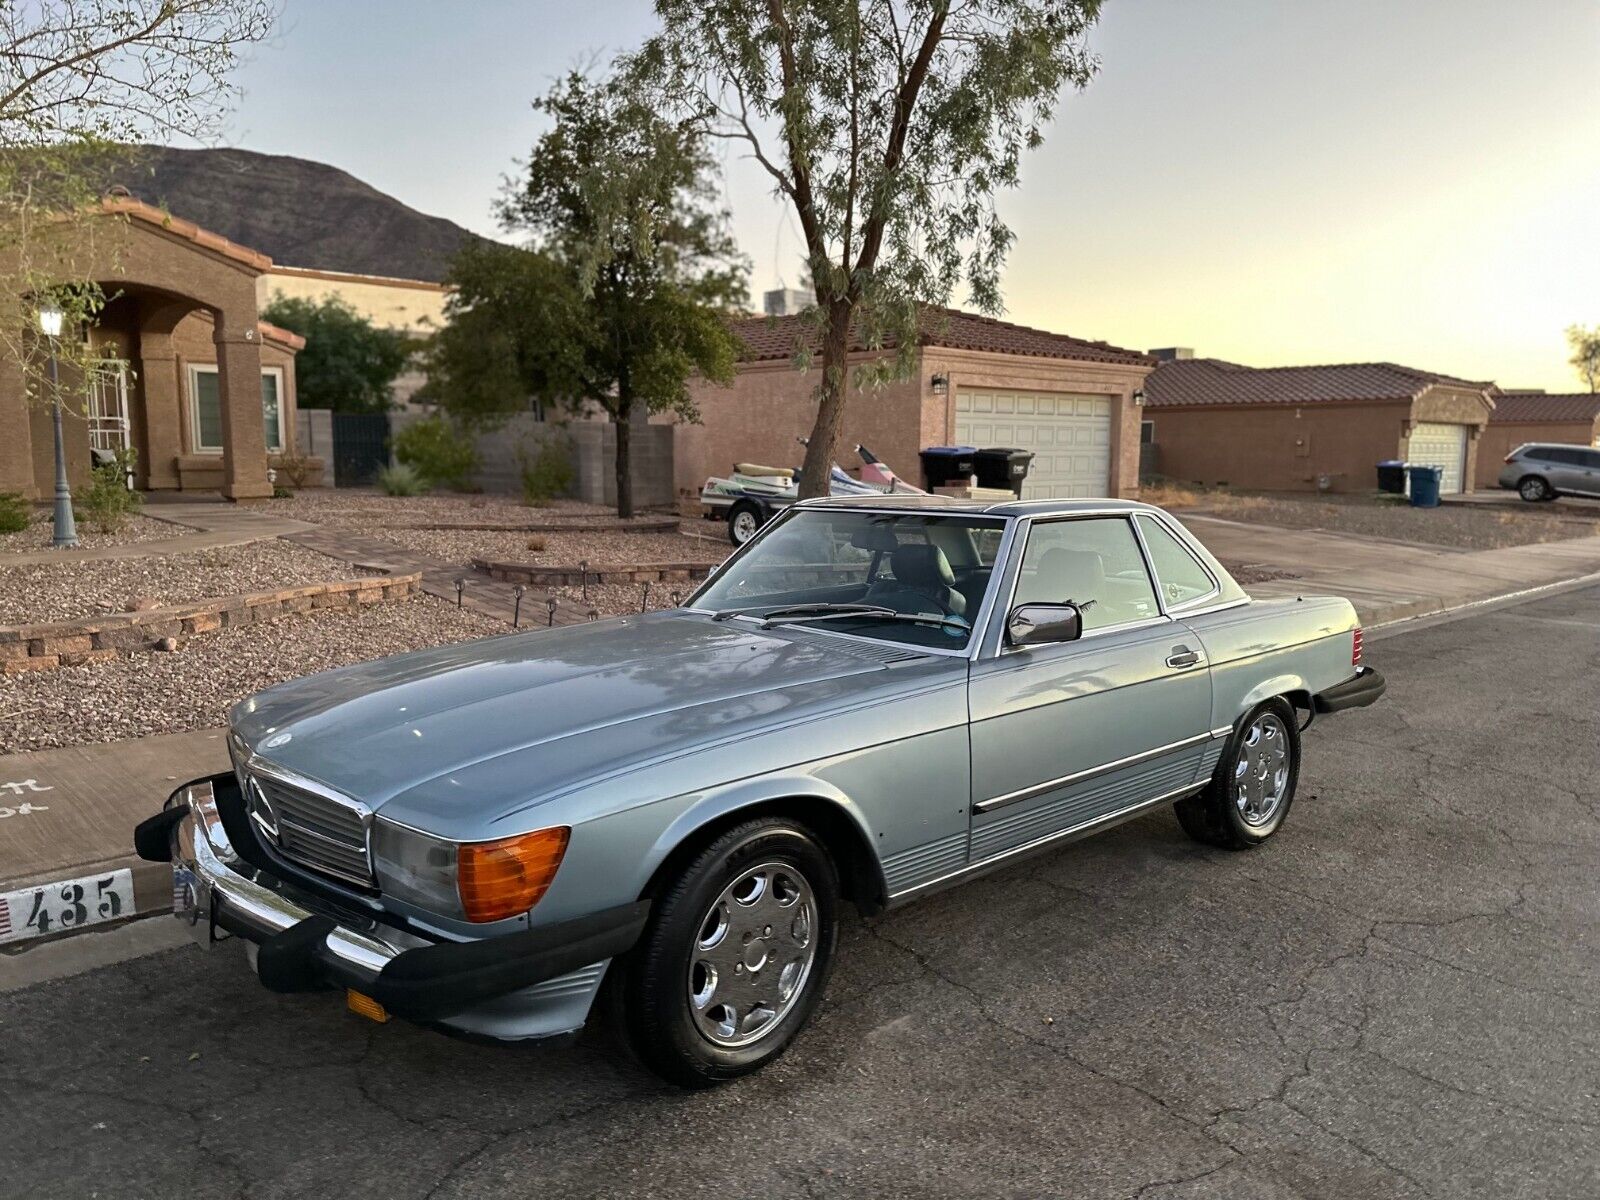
{"x":1534,"y":489}
{"x":736,"y":955}
{"x":1251,"y":791}
{"x":744,"y":519}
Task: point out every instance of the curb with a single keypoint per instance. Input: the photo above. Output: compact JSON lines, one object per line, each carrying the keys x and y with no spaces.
{"x":42,"y":909}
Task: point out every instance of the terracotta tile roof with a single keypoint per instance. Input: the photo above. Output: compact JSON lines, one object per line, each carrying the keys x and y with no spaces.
{"x":1197,"y":381}
{"x":138,"y":210}
{"x":768,"y":338}
{"x":284,"y":337}
{"x":1544,"y":406}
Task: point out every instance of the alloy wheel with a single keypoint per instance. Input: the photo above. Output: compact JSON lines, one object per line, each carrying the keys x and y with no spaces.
{"x":1261,"y":774}
{"x":753,"y":952}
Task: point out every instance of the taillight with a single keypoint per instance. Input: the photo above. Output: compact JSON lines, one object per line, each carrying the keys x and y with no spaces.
{"x":1508,"y":459}
{"x":503,"y":878}
{"x":1355,"y":648}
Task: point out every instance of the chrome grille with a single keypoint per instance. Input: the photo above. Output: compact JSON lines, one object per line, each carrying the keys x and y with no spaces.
{"x":314,"y":830}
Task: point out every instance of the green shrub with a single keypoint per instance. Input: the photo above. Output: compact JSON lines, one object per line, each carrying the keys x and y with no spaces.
{"x":107,"y":502}
{"x":547,"y":474}
{"x":15,"y":512}
{"x":401,"y":480}
{"x":438,"y":451}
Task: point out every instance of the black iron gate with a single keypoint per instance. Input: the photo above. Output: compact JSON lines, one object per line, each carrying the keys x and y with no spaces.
{"x":360,"y":447}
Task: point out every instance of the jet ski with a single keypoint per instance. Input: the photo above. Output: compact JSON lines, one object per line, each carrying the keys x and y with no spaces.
{"x":753,"y":494}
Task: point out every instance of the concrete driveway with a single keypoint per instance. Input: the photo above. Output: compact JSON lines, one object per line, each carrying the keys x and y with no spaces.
{"x":1396,"y":997}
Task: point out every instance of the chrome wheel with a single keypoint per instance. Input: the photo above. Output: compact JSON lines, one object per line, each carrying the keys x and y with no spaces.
{"x":745,"y":525}
{"x":1261,"y":774}
{"x":753,"y":952}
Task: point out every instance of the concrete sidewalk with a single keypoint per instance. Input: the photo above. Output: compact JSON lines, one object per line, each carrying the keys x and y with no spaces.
{"x":1387,"y":580}
{"x":69,"y":814}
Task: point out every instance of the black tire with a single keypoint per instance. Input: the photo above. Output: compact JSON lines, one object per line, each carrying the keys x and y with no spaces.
{"x":1534,"y":489}
{"x":1214,"y":816}
{"x":657,"y":1013}
{"x":745,"y":519}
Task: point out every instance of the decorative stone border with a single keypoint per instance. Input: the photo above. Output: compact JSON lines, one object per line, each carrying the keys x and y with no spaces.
{"x":95,"y":639}
{"x":573,"y":575}
{"x":596,"y":525}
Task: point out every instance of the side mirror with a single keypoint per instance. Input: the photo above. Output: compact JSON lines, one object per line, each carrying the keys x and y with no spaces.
{"x":1044,"y":624}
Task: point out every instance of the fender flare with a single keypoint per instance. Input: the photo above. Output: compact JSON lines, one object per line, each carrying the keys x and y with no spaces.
{"x":723,"y":804}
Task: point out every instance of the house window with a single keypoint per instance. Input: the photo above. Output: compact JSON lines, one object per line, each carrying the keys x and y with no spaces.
{"x":205,"y":407}
{"x":1147,"y":433}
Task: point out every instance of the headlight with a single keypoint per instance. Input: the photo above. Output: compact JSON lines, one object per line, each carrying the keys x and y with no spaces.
{"x":414,"y":867}
{"x":477,"y":881}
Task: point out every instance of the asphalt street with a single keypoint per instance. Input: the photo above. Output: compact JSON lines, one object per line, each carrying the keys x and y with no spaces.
{"x":1399,"y":996}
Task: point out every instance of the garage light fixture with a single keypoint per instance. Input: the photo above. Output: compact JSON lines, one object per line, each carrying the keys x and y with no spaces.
{"x":941,"y":384}
{"x":1138,"y":397}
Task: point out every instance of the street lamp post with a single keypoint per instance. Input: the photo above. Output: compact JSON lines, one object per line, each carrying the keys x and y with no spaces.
{"x":66,"y":529}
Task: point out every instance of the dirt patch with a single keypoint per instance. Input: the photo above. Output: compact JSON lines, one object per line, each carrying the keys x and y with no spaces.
{"x":548,"y":549}
{"x":194,"y":687}
{"x":58,"y":591}
{"x":1460,"y":526}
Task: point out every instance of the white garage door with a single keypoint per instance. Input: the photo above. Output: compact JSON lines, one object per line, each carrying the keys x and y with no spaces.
{"x":1434,"y":445}
{"x":1070,"y":437}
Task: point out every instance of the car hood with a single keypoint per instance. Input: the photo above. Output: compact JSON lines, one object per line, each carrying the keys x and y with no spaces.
{"x":477,"y":730}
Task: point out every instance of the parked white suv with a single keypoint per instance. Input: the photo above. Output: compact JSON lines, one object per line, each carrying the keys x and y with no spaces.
{"x":1541,"y":471}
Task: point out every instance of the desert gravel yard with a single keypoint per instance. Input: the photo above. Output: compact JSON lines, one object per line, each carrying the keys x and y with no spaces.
{"x":193,"y":687}
{"x":1364,"y":516}
{"x":368,"y":509}
{"x":37,"y":535}
{"x":56,"y":591}
{"x":598,"y":549}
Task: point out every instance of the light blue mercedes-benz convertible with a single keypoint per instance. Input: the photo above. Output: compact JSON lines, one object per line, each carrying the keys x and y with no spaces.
{"x":873,"y":699}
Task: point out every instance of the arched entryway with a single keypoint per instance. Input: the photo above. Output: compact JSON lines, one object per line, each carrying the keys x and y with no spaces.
{"x":195,"y":402}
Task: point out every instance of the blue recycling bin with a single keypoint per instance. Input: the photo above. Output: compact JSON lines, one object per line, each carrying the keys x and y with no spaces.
{"x":1425,"y":486}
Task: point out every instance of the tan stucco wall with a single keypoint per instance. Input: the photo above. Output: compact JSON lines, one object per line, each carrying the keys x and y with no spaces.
{"x":1499,"y":440}
{"x":1278,"y":448}
{"x":409,"y":305}
{"x":771,"y":404}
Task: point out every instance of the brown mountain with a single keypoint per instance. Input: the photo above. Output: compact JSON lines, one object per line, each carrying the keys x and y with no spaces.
{"x":302,"y":214}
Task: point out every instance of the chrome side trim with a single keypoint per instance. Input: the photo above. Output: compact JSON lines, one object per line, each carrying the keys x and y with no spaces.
{"x":1213,"y":608}
{"x":1060,"y":837}
{"x":1049,"y":785}
{"x":1222,"y":731}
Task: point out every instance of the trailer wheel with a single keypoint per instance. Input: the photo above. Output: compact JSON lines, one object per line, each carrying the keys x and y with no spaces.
{"x":744,"y":519}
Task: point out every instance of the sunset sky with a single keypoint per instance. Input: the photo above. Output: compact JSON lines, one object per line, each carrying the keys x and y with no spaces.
{"x":1269,"y":181}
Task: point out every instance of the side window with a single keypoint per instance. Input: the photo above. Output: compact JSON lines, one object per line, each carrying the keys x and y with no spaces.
{"x":1094,"y":563}
{"x":1178,"y":572}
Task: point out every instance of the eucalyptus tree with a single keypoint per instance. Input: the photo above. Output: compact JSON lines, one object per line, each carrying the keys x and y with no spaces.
{"x":625,"y":201}
{"x":890,"y":127}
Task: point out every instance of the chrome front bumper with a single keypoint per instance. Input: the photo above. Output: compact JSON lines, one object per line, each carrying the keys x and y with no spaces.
{"x":216,"y":893}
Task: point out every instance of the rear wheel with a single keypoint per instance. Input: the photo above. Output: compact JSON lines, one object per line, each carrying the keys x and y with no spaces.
{"x":1250,"y":794}
{"x":736,"y":955}
{"x":744,"y":519}
{"x":1534,"y":489}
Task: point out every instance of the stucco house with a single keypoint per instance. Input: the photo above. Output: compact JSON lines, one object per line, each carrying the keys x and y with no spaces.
{"x":977,"y":381}
{"x":1518,"y":417}
{"x":1321,"y":428}
{"x":194,"y":381}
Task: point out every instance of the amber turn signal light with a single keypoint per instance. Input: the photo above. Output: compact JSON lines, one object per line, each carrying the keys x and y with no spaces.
{"x":503,"y":878}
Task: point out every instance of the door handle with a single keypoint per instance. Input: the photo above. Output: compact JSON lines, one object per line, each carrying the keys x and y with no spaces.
{"x":1182,"y":656}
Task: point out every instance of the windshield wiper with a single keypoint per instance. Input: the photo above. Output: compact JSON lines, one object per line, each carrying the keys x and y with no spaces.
{"x":867,"y":611}
{"x":795,"y":610}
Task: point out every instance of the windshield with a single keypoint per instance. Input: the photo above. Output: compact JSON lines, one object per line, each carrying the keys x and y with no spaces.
{"x":865,"y":573}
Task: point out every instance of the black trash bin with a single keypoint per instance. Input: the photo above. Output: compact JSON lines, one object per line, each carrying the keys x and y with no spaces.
{"x":1003,"y":467}
{"x":949,"y":465}
{"x":1392,"y":476}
